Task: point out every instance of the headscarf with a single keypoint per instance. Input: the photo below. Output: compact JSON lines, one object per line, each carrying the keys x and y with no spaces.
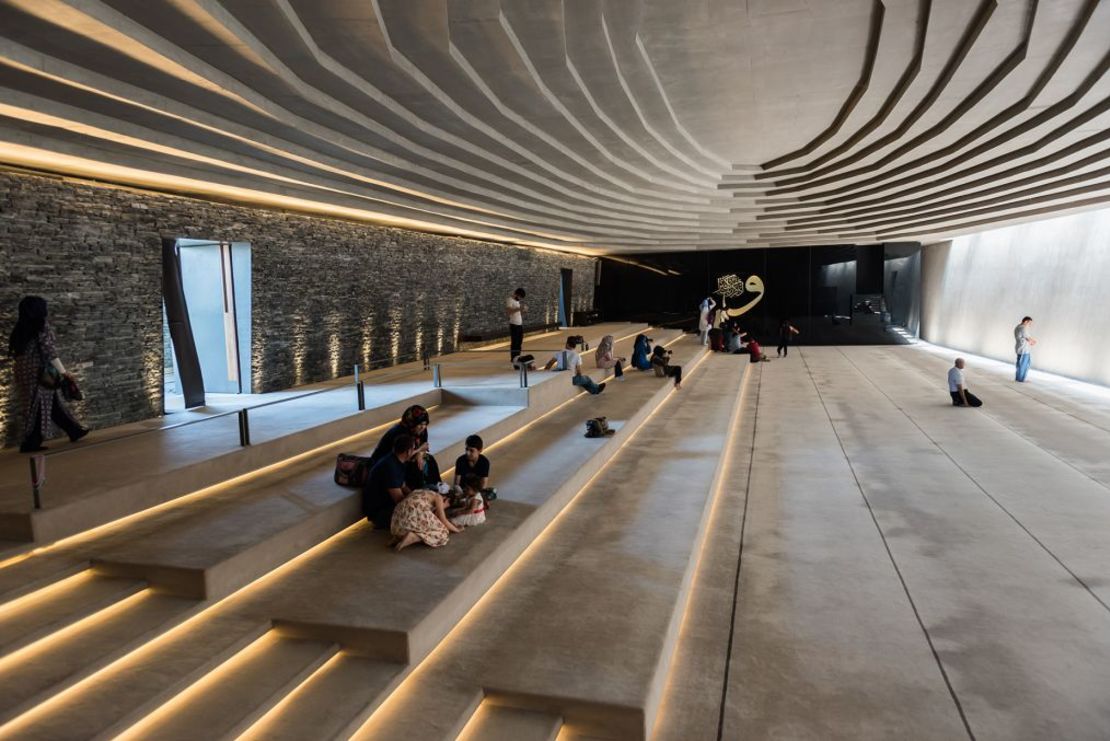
{"x":605,"y":347}
{"x":415,"y":415}
{"x":31,"y":321}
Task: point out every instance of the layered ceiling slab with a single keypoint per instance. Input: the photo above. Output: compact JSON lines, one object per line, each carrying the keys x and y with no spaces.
{"x":601,"y":126}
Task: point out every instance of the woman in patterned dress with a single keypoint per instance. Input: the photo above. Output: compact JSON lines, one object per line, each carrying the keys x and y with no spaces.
{"x":421,"y":516}
{"x":32,"y":344}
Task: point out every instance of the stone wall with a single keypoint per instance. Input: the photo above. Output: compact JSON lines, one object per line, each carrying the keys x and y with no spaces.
{"x":326,"y":293}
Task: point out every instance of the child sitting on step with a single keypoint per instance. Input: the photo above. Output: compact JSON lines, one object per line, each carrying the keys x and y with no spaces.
{"x":466,"y":507}
{"x":473,"y":462}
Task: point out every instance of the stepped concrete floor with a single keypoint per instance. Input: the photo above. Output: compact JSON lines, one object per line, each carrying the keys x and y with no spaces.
{"x":890,"y":565}
{"x":109,"y":461}
{"x":297,"y":616}
{"x":582,"y":629}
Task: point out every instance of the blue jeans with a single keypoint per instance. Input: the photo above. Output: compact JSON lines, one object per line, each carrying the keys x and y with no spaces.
{"x":1023,"y":361}
{"x":587,"y":383}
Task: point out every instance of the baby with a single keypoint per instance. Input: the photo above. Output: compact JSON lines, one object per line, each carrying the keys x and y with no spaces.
{"x":465,"y":506}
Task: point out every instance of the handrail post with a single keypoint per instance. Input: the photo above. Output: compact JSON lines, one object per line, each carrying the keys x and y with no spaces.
{"x":361,"y":396}
{"x":244,"y":428}
{"x":38,"y":465}
{"x":437,"y":376}
{"x":524,"y":375}
{"x":356,"y":373}
{"x":427,"y":356}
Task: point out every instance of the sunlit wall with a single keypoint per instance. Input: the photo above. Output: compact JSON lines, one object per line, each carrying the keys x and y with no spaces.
{"x":976,"y":288}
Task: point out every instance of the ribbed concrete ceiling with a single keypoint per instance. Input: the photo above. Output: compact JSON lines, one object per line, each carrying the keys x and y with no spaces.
{"x":598,"y":125}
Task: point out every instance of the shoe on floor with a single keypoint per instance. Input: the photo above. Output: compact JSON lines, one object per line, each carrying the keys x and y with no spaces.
{"x":80,"y":434}
{"x":600,"y":387}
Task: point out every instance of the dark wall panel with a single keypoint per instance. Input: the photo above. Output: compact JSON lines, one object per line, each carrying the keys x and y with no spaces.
{"x":815,"y":288}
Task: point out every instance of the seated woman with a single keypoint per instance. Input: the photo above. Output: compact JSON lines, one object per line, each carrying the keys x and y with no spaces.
{"x":413,"y":422}
{"x":421,"y":516}
{"x":422,"y":472}
{"x":605,"y":358}
{"x":660,"y":361}
{"x":640,"y":351}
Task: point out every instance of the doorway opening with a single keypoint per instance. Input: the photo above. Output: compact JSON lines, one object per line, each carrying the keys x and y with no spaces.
{"x":206,"y":320}
{"x":565,"y":282}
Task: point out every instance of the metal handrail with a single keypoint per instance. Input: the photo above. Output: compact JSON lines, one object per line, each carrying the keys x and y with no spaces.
{"x":38,"y":462}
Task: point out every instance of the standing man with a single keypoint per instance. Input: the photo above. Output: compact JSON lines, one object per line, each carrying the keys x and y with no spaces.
{"x":957,"y":387}
{"x":1023,"y":346}
{"x":514,"y":309}
{"x":704,"y":322}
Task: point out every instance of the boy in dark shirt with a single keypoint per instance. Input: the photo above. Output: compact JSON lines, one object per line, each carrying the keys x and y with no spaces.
{"x":385,"y":486}
{"x":472,"y":462}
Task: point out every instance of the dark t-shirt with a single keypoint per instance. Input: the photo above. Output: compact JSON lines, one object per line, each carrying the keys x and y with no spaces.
{"x":422,"y":479}
{"x":480,"y":469}
{"x":385,"y":445}
{"x":377,"y":505}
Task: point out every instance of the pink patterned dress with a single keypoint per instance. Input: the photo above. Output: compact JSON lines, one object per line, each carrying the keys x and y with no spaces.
{"x":416,"y":513}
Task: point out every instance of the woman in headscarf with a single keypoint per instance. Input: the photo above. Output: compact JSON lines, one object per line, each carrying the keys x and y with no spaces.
{"x":640,"y":351}
{"x":605,"y":358}
{"x":413,"y":422}
{"x":38,"y":375}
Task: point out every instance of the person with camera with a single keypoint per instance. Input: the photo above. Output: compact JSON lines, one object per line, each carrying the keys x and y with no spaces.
{"x":569,"y":359}
{"x":661,"y":362}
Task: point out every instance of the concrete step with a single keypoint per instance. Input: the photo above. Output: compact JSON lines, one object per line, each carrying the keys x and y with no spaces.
{"x":94,"y":486}
{"x":33,"y":573}
{"x":330,"y":703}
{"x":232,"y":697}
{"x":420,"y":595}
{"x":218,"y":544}
{"x":40,"y":614}
{"x":151,"y":671}
{"x":213,"y":546}
{"x":502,"y":723}
{"x":313,"y":591}
{"x":591,"y":645}
{"x":67,"y":657}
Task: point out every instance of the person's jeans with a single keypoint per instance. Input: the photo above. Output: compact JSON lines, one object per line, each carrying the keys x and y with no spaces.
{"x":784,"y":348}
{"x":972,"y":399}
{"x":587,"y":383}
{"x":1022,"y":369}
{"x":516,"y":340}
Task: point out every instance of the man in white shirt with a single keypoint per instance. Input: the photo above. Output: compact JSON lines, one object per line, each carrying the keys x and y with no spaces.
{"x":957,"y":387}
{"x":569,"y":359}
{"x":704,"y":325}
{"x":1023,"y":346}
{"x":514,"y":310}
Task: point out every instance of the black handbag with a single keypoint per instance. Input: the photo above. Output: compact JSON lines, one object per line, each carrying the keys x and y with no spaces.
{"x":70,"y":390}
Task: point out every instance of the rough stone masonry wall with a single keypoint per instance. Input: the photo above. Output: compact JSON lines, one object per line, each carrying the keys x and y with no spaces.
{"x":326,"y":293}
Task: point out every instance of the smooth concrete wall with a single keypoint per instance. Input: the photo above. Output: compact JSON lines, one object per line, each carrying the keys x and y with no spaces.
{"x":325,"y":293}
{"x":975,"y":290}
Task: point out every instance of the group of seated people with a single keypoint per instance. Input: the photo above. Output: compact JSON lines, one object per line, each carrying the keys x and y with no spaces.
{"x":405,"y":493}
{"x":644,"y":357}
{"x":731,"y":338}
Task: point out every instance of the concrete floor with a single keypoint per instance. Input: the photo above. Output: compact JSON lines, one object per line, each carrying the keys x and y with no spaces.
{"x":816,"y":547}
{"x":887,"y":564}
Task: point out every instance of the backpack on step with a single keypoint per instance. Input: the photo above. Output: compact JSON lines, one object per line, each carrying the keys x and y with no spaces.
{"x":598,"y":427}
{"x":351,"y":470}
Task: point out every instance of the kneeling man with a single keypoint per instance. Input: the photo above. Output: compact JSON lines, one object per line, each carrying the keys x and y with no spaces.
{"x":957,"y":387}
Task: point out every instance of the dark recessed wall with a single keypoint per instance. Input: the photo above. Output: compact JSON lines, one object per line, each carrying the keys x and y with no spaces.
{"x":326,"y":293}
{"x":814,"y":287}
